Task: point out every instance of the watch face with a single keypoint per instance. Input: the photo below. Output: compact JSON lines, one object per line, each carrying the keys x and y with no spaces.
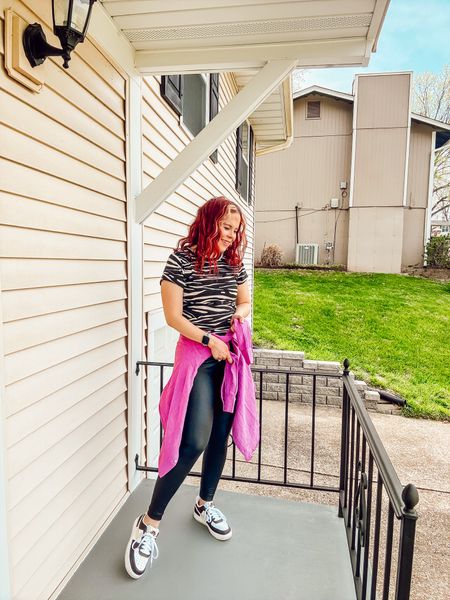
{"x":205,"y":340}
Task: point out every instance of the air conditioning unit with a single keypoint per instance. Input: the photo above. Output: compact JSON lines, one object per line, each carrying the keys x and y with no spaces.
{"x":307,"y":254}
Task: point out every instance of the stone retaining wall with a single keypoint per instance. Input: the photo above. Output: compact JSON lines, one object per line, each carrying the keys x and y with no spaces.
{"x":328,"y":388}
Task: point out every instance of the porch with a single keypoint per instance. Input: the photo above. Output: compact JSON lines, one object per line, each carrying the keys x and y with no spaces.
{"x":279,"y":549}
{"x":352,"y":546}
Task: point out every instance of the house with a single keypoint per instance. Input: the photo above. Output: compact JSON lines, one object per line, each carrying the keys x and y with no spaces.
{"x":102,"y":168}
{"x":355,"y":186}
{"x":440,"y":227}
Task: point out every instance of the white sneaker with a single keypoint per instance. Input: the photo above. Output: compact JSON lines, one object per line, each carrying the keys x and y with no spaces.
{"x":214,"y":519}
{"x":141,"y":548}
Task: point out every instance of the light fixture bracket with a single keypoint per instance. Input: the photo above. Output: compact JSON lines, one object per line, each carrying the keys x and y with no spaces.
{"x":37,"y":48}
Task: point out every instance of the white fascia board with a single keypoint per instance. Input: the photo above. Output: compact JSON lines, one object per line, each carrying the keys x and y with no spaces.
{"x":225,"y":122}
{"x":324,"y":92}
{"x":432,"y":122}
{"x":379,"y":14}
{"x":317,"y":53}
{"x":111,"y":40}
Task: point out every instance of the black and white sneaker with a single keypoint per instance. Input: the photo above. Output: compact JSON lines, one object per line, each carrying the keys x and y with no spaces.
{"x":141,"y":548}
{"x":214,"y":519}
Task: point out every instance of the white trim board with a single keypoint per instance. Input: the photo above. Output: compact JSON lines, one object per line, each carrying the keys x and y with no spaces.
{"x":408,"y":142}
{"x":343,"y":52}
{"x":5,"y":580}
{"x":135,"y":268}
{"x":427,"y":224}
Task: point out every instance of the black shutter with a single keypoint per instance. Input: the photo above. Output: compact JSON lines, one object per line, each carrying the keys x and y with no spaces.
{"x":213,"y":104}
{"x":239,"y":159}
{"x":250,"y":166}
{"x":172,"y":91}
{"x":213,"y":95}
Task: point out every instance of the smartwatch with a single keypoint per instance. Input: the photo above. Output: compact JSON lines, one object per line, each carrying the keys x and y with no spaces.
{"x":205,"y":340}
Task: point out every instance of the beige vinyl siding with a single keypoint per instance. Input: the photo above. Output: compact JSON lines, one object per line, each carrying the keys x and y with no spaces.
{"x":417,"y":195}
{"x":381,"y":139}
{"x":163,"y":138}
{"x":419,"y":166}
{"x":63,"y":252}
{"x":383,"y":101}
{"x":335,"y":117}
{"x":308,"y":173}
{"x":380,"y":167}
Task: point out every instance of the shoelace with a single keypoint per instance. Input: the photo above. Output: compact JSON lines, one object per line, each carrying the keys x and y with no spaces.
{"x":213,"y":513}
{"x":148,"y":546}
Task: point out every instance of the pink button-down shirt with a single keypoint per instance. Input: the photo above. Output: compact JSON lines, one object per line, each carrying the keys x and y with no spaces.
{"x":237,"y":388}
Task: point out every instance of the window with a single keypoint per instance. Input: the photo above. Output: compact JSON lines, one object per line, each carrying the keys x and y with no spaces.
{"x":194,"y":102}
{"x":244,"y":162}
{"x":313,"y":109}
{"x":195,"y":98}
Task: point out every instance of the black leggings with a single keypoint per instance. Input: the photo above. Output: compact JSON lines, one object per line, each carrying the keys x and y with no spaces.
{"x":206,"y":428}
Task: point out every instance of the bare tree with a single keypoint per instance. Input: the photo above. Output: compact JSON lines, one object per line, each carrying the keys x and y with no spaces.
{"x":441,"y":186}
{"x":431,"y":98}
{"x":298,"y":78}
{"x":432,"y":95}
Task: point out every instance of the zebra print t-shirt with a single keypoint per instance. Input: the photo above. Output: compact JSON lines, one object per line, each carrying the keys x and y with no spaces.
{"x":209,"y":300}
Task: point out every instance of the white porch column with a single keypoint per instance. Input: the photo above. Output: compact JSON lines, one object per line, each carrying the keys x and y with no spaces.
{"x":5,"y":581}
{"x":135,"y":280}
{"x":224,"y":123}
{"x":429,"y":208}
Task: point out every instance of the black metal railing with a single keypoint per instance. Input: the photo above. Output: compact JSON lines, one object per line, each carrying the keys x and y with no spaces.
{"x":370,"y":538}
{"x":236,"y":464}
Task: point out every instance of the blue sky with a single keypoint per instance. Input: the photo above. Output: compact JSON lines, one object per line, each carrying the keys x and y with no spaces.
{"x":414,"y":37}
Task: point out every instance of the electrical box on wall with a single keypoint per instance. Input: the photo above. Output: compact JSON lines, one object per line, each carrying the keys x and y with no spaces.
{"x":334,"y":203}
{"x":343,"y":185}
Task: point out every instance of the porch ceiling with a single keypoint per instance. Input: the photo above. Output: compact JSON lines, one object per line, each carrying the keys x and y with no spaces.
{"x":189,"y":36}
{"x":227,"y":35}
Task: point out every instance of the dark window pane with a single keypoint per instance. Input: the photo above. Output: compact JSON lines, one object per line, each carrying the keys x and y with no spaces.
{"x":313,"y":110}
{"x":194,"y":105}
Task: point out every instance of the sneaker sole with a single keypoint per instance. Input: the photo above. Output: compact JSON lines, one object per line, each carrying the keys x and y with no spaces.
{"x":219,"y":537}
{"x":128,"y":567}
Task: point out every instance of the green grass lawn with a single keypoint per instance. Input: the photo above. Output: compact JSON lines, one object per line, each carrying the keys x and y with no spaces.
{"x":393,"y":328}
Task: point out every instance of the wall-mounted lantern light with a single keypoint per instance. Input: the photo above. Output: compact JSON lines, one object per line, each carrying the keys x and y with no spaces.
{"x":70,"y":23}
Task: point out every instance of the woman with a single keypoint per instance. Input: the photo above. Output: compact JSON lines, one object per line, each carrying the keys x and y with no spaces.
{"x":206,"y":298}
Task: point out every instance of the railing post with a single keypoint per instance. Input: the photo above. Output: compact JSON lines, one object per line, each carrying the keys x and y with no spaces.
{"x":410,"y":497}
{"x":344,"y":440}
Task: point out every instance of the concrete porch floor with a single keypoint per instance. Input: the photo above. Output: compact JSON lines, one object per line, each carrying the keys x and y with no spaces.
{"x":280,"y":549}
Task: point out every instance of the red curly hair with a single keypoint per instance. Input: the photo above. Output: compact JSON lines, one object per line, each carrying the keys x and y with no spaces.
{"x":204,"y":233}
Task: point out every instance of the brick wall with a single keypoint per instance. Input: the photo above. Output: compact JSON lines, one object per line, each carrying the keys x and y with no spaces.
{"x":328,"y":388}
